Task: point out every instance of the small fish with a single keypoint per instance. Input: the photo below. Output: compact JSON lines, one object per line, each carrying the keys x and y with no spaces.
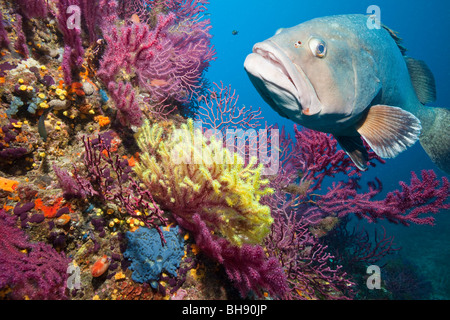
{"x":135,"y":19}
{"x":41,"y":124}
{"x":158,"y":82}
{"x":234,"y":32}
{"x":336,"y":75}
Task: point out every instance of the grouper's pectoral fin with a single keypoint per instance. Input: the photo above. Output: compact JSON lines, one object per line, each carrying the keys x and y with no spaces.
{"x":389,"y":130}
{"x":355,"y":149}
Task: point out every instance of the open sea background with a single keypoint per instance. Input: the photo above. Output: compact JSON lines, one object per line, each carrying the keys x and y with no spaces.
{"x":424,"y":27}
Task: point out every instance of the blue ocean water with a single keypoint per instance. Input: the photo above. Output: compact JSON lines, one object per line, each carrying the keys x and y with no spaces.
{"x":422,"y":24}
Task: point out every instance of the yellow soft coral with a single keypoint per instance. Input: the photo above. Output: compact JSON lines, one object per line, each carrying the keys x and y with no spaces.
{"x":188,"y":173}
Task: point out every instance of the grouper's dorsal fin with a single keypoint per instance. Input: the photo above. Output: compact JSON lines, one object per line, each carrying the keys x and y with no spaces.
{"x":397,"y":39}
{"x":422,"y":80}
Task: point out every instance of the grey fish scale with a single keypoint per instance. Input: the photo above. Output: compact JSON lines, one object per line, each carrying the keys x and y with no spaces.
{"x":436,"y":140}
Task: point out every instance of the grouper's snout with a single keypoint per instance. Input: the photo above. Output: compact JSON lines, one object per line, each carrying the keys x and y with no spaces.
{"x":271,"y":81}
{"x":281,"y":82}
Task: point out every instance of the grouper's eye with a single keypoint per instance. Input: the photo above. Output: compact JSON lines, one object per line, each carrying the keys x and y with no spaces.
{"x":318,"y":47}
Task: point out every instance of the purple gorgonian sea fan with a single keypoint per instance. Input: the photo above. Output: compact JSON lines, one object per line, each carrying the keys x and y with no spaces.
{"x":33,"y":271}
{"x":163,"y":57}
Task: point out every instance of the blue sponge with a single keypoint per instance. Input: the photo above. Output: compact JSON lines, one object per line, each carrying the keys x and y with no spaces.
{"x":16,"y":103}
{"x":149,"y":257}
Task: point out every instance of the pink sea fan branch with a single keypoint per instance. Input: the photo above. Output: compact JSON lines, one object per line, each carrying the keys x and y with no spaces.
{"x":4,"y":39}
{"x":21,"y":42}
{"x":33,"y":270}
{"x":247,"y":266}
{"x":73,"y":47}
{"x":305,"y":260}
{"x":108,"y":12}
{"x":218,"y":110}
{"x":186,"y":8}
{"x":144,"y":9}
{"x":413,"y":204}
{"x":168,"y":61}
{"x":33,"y":8}
{"x":126,"y":45}
{"x":127,"y":105}
{"x":317,"y":156}
{"x":129,"y":47}
{"x":177,"y":65}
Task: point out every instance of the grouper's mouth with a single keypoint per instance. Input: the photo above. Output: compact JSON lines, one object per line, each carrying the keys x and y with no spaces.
{"x":280,"y":82}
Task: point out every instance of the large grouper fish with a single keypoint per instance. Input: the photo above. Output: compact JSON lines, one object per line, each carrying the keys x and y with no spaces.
{"x":337,"y":75}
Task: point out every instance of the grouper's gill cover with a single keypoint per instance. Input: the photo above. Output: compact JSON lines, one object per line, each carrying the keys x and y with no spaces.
{"x":336,"y":75}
